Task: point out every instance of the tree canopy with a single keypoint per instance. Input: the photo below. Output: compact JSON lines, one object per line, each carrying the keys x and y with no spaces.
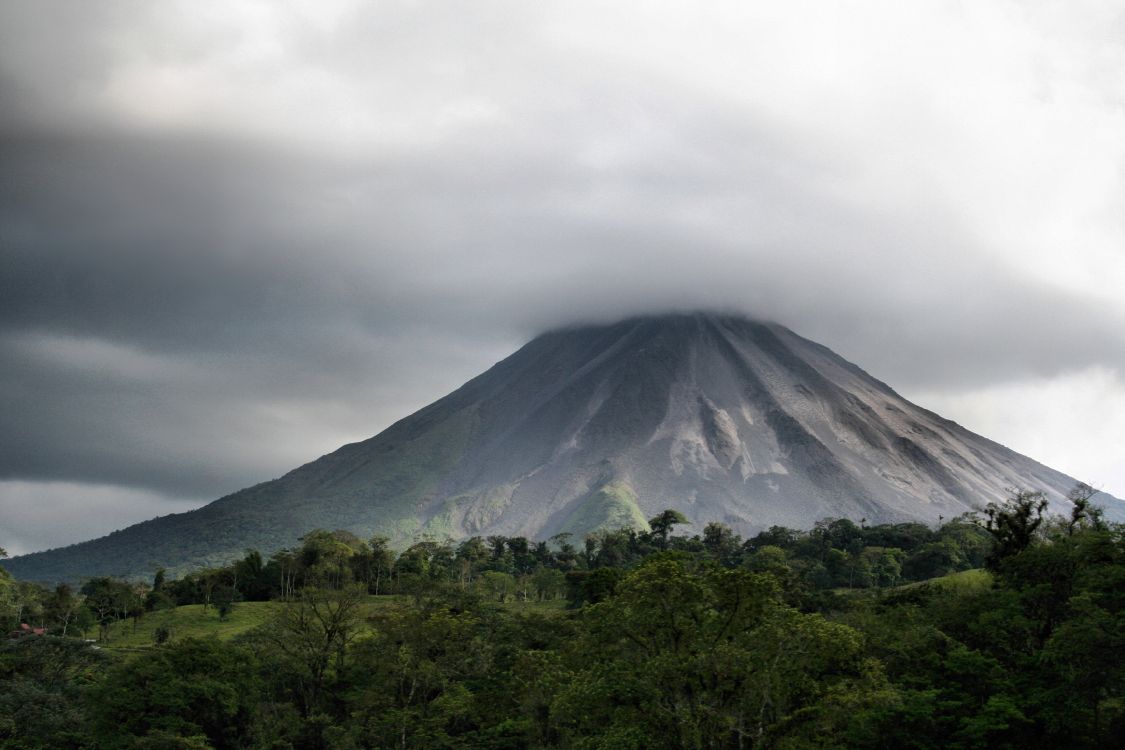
{"x":842,"y":636}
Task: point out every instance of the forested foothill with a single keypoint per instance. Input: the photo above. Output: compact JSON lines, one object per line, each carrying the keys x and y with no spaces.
{"x":1003,"y":630}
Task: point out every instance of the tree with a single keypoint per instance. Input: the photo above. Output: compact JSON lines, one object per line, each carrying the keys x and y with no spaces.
{"x":61,"y":609}
{"x":721,"y":543}
{"x":190,"y":689}
{"x":251,"y":577}
{"x":1083,"y":512}
{"x":498,"y":586}
{"x":1077,"y":653}
{"x":373,"y":563}
{"x":686,"y":659}
{"x":769,"y":559}
{"x":1013,"y":525}
{"x":206,"y":581}
{"x":549,"y":583}
{"x":42,"y":682}
{"x":312,"y":632}
{"x":325,"y":556}
{"x":109,"y":600}
{"x":886,"y":565}
{"x":284,"y":567}
{"x":471,"y":554}
{"x":223,"y":597}
{"x":409,"y":680}
{"x":662,"y":524}
{"x":7,"y":600}
{"x":422,"y":567}
{"x":972,"y":542}
{"x":841,"y":534}
{"x":774,"y":536}
{"x":567,"y":555}
{"x":932,"y":560}
{"x":591,"y":586}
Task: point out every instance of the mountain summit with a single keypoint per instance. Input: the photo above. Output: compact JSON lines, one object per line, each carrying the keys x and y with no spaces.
{"x":723,"y":418}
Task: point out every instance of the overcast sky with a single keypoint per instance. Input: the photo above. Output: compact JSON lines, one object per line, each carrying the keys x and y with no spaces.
{"x":234,"y":236}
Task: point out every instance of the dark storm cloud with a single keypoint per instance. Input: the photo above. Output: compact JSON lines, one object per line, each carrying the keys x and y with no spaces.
{"x":203,"y":248}
{"x":232,"y":242}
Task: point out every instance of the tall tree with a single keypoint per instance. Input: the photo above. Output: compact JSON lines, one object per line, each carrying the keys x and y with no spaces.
{"x":1013,"y":524}
{"x":312,"y":632}
{"x":663,"y":523}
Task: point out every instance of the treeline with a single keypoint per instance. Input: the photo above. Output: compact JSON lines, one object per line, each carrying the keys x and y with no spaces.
{"x":786,"y":640}
{"x":835,"y":554}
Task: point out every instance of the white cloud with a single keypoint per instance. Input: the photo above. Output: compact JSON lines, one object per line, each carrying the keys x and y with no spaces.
{"x":37,"y":515}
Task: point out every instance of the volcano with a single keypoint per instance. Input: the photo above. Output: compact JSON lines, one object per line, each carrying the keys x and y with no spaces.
{"x":723,"y":418}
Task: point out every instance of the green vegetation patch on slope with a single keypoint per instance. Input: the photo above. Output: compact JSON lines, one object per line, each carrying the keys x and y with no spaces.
{"x":611,"y":506}
{"x":189,"y":621}
{"x":195,"y":621}
{"x":393,"y":487}
{"x":964,"y":581}
{"x":442,"y":524}
{"x":469,"y":512}
{"x":488,"y":505}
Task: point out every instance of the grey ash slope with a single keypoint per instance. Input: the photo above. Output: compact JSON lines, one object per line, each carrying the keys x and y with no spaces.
{"x":721,"y":417}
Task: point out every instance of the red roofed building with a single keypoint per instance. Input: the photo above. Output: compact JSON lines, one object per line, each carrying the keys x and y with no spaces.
{"x":26,"y":630}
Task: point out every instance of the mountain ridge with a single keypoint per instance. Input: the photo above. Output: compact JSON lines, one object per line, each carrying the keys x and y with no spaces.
{"x":725,"y":418}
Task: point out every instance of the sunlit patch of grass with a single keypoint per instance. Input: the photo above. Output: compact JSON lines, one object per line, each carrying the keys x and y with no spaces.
{"x":188,"y":621}
{"x":193,"y":621}
{"x":965,"y":580}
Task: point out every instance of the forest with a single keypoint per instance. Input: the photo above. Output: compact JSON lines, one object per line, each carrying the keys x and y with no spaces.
{"x":1002,"y":629}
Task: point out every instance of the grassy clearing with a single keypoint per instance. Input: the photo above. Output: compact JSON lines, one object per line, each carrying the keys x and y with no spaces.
{"x":965,"y":581}
{"x":192,"y":621}
{"x":189,"y":621}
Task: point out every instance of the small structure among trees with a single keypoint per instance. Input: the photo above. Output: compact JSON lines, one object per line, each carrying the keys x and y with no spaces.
{"x":26,"y":631}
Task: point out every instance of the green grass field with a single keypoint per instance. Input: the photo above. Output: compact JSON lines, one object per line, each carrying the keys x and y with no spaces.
{"x":189,"y":621}
{"x":966,"y":580}
{"x":192,"y":621}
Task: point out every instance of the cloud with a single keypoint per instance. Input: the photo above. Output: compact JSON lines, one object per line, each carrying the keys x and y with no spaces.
{"x":40,"y":515}
{"x":236,"y":238}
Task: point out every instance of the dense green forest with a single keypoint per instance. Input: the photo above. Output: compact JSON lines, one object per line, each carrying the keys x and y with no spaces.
{"x":998,"y":631}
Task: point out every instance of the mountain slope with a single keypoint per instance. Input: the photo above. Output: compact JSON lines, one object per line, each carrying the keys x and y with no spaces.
{"x":721,"y":417}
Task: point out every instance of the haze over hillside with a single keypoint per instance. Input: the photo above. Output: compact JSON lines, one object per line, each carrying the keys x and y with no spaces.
{"x":721,"y":417}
